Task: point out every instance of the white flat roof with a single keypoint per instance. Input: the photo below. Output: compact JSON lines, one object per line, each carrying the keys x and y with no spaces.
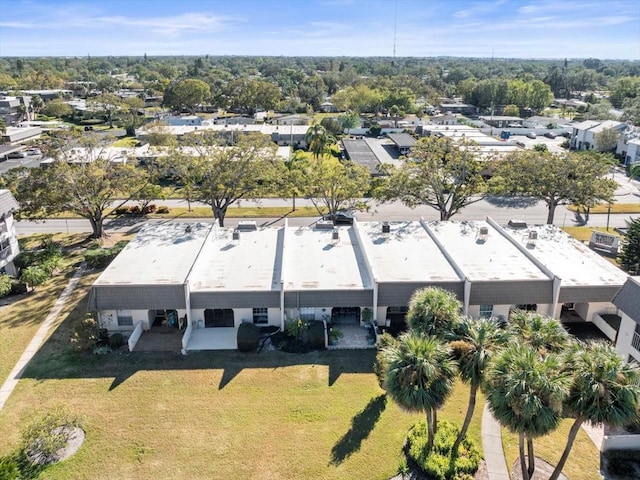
{"x":252,"y":263}
{"x":575,"y":263}
{"x":494,"y":259}
{"x":159,"y":254}
{"x":314,"y":262}
{"x":406,"y":254}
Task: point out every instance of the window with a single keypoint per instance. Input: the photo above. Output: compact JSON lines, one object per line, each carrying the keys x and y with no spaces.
{"x":260,"y":315}
{"x":4,"y":244}
{"x":486,"y":311}
{"x":307,"y":313}
{"x":529,"y":307}
{"x":125,"y":319}
{"x":218,"y":317}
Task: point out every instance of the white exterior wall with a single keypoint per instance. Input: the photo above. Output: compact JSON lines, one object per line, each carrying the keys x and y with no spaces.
{"x":239,"y":315}
{"x":625,"y":336}
{"x":586,"y":310}
{"x":381,"y":316}
{"x":498,"y":310}
{"x":109,"y":319}
{"x":8,"y":230}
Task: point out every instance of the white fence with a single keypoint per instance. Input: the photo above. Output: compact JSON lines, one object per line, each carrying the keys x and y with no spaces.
{"x":621,"y":442}
{"x":135,"y":336}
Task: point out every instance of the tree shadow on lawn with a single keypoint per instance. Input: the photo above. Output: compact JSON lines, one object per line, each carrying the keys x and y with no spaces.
{"x":56,"y":359}
{"x":361,"y":426}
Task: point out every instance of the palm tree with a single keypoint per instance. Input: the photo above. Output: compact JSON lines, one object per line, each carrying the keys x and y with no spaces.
{"x":434,"y":311}
{"x":605,"y":389}
{"x":395,"y":112}
{"x":318,"y":140}
{"x":542,"y":333}
{"x":21,"y":110}
{"x":420,"y":375}
{"x":525,"y":392}
{"x":36,"y":103}
{"x":3,"y":126}
{"x":473,"y":351}
{"x":634,"y":170}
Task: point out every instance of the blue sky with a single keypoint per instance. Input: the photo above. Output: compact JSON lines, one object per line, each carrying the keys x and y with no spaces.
{"x":504,"y":28}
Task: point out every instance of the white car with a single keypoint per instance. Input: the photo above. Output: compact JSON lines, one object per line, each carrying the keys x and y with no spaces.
{"x":532,"y":135}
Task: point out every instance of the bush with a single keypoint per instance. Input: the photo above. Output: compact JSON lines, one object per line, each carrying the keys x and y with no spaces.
{"x":438,"y":462}
{"x":134,"y":210}
{"x":45,"y":435}
{"x":116,"y":340}
{"x":34,"y":276}
{"x":5,"y":285}
{"x":85,"y":334}
{"x":296,"y":328}
{"x":163,"y":209}
{"x":619,"y":462}
{"x":315,"y":335}
{"x":18,"y":288}
{"x":380,"y":366}
{"x":122,"y":210}
{"x":101,"y":257}
{"x":147,"y":209}
{"x":248,"y":337}
{"x":9,"y":469}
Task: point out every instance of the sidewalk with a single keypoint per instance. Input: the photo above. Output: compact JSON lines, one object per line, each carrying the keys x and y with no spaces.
{"x":492,"y":446}
{"x":15,"y":375}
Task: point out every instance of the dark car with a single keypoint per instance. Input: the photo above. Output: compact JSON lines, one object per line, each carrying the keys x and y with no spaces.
{"x":340,"y":218}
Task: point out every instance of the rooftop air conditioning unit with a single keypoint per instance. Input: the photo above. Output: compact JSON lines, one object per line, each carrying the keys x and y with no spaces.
{"x":517,"y":224}
{"x":247,"y":225}
{"x":236,"y":236}
{"x":386,"y":228}
{"x":483,"y":234}
{"x":324,"y":225}
{"x":335,"y":236}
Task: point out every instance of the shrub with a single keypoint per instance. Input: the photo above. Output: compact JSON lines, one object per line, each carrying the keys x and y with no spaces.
{"x":122,"y":210}
{"x":34,"y":276}
{"x":147,"y":209}
{"x":134,"y":210}
{"x":248,"y":337}
{"x":50,"y":264}
{"x":98,"y":258}
{"x":9,"y":469}
{"x":18,"y":288}
{"x":315,"y":335}
{"x":116,"y":340}
{"x":163,"y":209}
{"x":619,"y":462}
{"x":45,"y":435}
{"x":5,"y":285}
{"x":296,"y":328}
{"x":380,"y":366}
{"x":438,"y":462}
{"x":85,"y":334}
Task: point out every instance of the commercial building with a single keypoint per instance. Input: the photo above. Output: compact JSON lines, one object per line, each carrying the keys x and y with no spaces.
{"x":8,"y":241}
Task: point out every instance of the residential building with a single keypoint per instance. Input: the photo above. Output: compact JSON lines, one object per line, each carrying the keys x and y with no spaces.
{"x":15,"y":135}
{"x":583,"y":134}
{"x":502,"y":121}
{"x":209,"y":280}
{"x":10,"y":109}
{"x":627,"y":338}
{"x":8,"y":241}
{"x":445,"y":119}
{"x":403,"y":142}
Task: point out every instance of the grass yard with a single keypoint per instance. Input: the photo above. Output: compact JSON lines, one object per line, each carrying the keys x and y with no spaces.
{"x":615,"y":208}
{"x":583,"y":234}
{"x":583,"y":462}
{"x":212,"y":414}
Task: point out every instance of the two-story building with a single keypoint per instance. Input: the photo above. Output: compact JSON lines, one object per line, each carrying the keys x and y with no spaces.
{"x":8,"y":241}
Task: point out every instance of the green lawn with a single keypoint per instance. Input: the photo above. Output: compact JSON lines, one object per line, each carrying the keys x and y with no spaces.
{"x":614,"y":208}
{"x":584,"y":460}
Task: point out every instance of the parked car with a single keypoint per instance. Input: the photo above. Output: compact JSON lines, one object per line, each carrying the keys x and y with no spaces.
{"x":17,"y":155}
{"x":532,"y":135}
{"x":34,"y":151}
{"x":340,"y":218}
{"x":550,"y":135}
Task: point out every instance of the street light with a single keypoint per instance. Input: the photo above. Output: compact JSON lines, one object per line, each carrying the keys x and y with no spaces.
{"x":613,"y":174}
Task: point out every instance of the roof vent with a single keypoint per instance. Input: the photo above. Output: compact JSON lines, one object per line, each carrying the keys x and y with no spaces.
{"x":533,"y":238}
{"x":517,"y":224}
{"x":247,"y":225}
{"x":483,"y":234}
{"x":324,"y":225}
{"x":386,"y":228}
{"x":335,"y":236}
{"x":236,"y":236}
{"x":187,"y":229}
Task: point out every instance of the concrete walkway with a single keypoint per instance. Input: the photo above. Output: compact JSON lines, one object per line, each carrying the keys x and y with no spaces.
{"x":38,"y":339}
{"x":492,"y":446}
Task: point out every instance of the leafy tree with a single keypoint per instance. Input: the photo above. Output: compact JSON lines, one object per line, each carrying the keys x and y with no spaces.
{"x":555,"y":178}
{"x":220,"y":175}
{"x":479,"y":341}
{"x":318,"y":140}
{"x":57,"y":108}
{"x":634,"y":170}
{"x":630,"y":255}
{"x":3,"y":127}
{"x":525,"y":392}
{"x":604,"y":389}
{"x":130,"y":122}
{"x":434,"y":311}
{"x":5,"y":285}
{"x":109,"y":104}
{"x":34,"y":276}
{"x":631,"y":107}
{"x":250,"y":95}
{"x":36,"y":103}
{"x":187,"y":93}
{"x":419,"y":377}
{"x":395,"y":112}
{"x":360,"y":99}
{"x":332,"y":184}
{"x":440,"y":174}
{"x":332,"y":126}
{"x":607,"y":139}
{"x":159,"y":135}
{"x":349,"y":120}
{"x":86,"y":189}
{"x":511,"y":110}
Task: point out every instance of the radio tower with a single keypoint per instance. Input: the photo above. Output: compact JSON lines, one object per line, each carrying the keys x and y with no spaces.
{"x":395,"y":29}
